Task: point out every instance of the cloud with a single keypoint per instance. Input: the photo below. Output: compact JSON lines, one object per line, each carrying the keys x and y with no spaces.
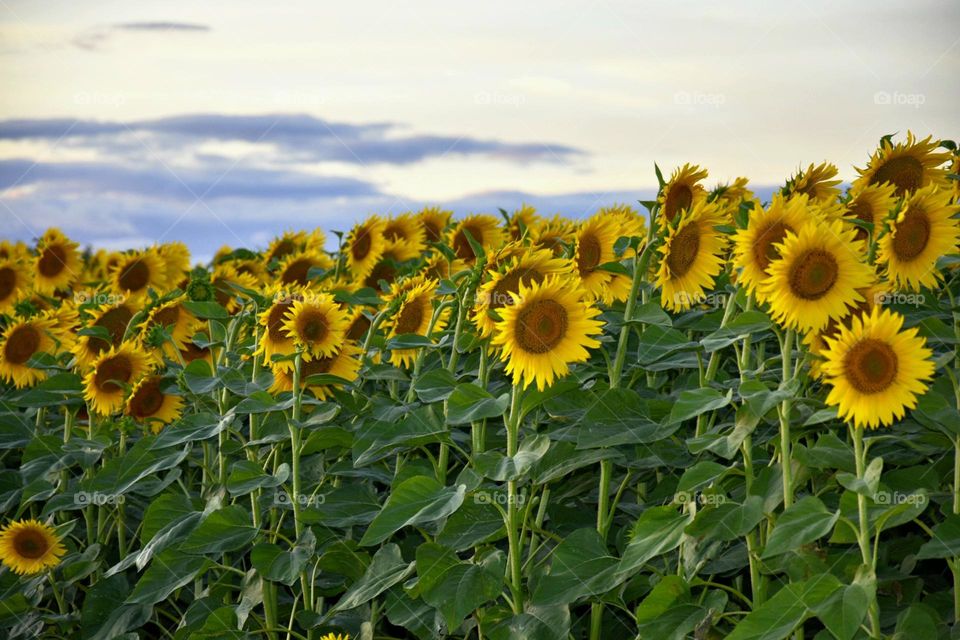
{"x":94,"y":38}
{"x":293,"y":138}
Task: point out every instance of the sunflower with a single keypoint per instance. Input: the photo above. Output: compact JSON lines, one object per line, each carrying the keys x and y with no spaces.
{"x":112,"y":318}
{"x":955,"y":172}
{"x":316,"y":324}
{"x":504,"y":284}
{"x":30,"y":546}
{"x":816,"y":182}
{"x":522,"y":221}
{"x":386,"y":269}
{"x":729,"y":196}
{"x":871,"y":204}
{"x":137,"y":272}
{"x":816,"y":340}
{"x":555,"y":234}
{"x":692,"y":256}
{"x":682,"y":191}
{"x":335,"y":636}
{"x":58,"y":262}
{"x":818,"y":276}
{"x":17,"y":251}
{"x":485,"y":231}
{"x":550,"y":326}
{"x":364,"y":246}
{"x":150,"y":404}
{"x":405,"y":237}
{"x":289,"y":243}
{"x":923,"y":231}
{"x":908,"y":166}
{"x":21,"y":341}
{"x":358,"y":324}
{"x":343,"y":363}
{"x":629,"y":224}
{"x":14,"y":282}
{"x":876,"y":370}
{"x":595,"y":239}
{"x":106,"y":384}
{"x":434,"y":221}
{"x":226,"y":279}
{"x":175,"y":318}
{"x":273,"y":338}
{"x":413,"y":316}
{"x":192,"y":352}
{"x":295,"y":268}
{"x":758,"y":244}
{"x":176,"y":258}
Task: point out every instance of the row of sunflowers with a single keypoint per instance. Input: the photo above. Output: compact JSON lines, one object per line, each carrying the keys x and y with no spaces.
{"x":510,"y":426}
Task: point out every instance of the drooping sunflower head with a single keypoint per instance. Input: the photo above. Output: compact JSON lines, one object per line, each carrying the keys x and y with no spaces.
{"x":414,"y":316}
{"x":729,"y":196}
{"x":819,"y":275}
{"x":387,"y":269}
{"x":819,"y":183}
{"x":58,"y":262}
{"x":343,"y":363}
{"x":595,"y":240}
{"x":28,"y":547}
{"x":757,"y":245}
{"x":110,"y":320}
{"x":682,"y":191}
{"x":135,"y":273}
{"x":316,"y":324}
{"x":485,"y":231}
{"x":364,"y":246}
{"x":924,"y":231}
{"x":295,"y":268}
{"x":176,"y":258}
{"x":871,"y":205}
{"x":522,"y":221}
{"x":434,"y":221}
{"x":876,"y":369}
{"x":908,"y":166}
{"x":405,"y":237}
{"x":23,"y":340}
{"x":152,"y":404}
{"x":504,"y":283}
{"x":112,"y":374}
{"x":15,"y":282}
{"x":692,"y":256}
{"x":550,"y":326}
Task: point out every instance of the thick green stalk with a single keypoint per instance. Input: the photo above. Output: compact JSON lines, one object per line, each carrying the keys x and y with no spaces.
{"x":513,"y":500}
{"x":786,"y":461}
{"x":863,"y":533}
{"x":294,"y":426}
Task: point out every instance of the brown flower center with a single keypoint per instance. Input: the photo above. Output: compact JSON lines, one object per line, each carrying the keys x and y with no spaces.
{"x":22,"y":344}
{"x":284,"y":248}
{"x":461,"y":245}
{"x":275,"y":321}
{"x":382,"y":271}
{"x":683,"y":250}
{"x":411,"y":316}
{"x":30,"y":544}
{"x":763,"y":249}
{"x":588,"y":253}
{"x":911,"y":235}
{"x":115,"y":321}
{"x":871,"y":366}
{"x":358,"y":328}
{"x":112,"y":373}
{"x":8,"y":282}
{"x":432,"y":231}
{"x":148,"y":399}
{"x":313,"y":326}
{"x":135,"y":276}
{"x":316,"y":366}
{"x":168,"y":316}
{"x":813,"y":274}
{"x":296,"y":271}
{"x":506,"y":290}
{"x":903,"y":172}
{"x":541,"y":326}
{"x":53,"y":260}
{"x":360,"y":247}
{"x":862,"y":210}
{"x":679,"y":197}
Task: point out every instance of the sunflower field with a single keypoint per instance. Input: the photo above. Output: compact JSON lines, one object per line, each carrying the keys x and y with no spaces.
{"x":711,"y":415}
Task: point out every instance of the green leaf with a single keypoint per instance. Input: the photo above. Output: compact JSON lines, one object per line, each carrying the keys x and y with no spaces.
{"x":470,"y":403}
{"x":206,"y":310}
{"x":199,"y":378}
{"x":500,"y":468}
{"x":945,"y":542}
{"x":457,"y":588}
{"x":387,"y":569}
{"x":168,"y":572}
{"x":417,"y":500}
{"x":579,"y":566}
{"x":657,"y":531}
{"x":377,"y":439}
{"x":474,"y":522}
{"x":616,"y":417}
{"x":247,"y":476}
{"x":804,"y":522}
{"x":435,"y":385}
{"x":651,"y":313}
{"x":664,"y":595}
{"x":728,"y":520}
{"x":658,"y":342}
{"x":119,"y":475}
{"x":277,"y":565}
{"x":867,"y":485}
{"x":776,"y":618}
{"x":226,"y":529}
{"x":104,"y":616}
{"x":701,"y":475}
{"x":691,"y":404}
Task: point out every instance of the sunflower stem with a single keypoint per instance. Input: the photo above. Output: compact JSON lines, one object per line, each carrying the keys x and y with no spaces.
{"x":863,"y":533}
{"x":513,"y":512}
{"x":294,"y":427}
{"x":786,"y":461}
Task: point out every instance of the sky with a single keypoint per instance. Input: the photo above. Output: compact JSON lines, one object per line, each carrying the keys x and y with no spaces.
{"x":216,"y":123}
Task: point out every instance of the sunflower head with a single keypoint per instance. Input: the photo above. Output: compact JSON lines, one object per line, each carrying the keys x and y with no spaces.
{"x":924,"y":230}
{"x":58,"y":262}
{"x":112,"y":374}
{"x":23,"y":340}
{"x":295,"y":268}
{"x":908,"y":166}
{"x":876,"y":369}
{"x":485,"y":231}
{"x":434,"y":221}
{"x":176,"y":258}
{"x":30,"y":546}
{"x":405,"y":237}
{"x":414,"y":315}
{"x":150,"y":403}
{"x":110,"y":320}
{"x":522,"y":221}
{"x":289,"y":243}
{"x":682,"y":191}
{"x":819,"y":183}
{"x":729,"y":196}
{"x":871,"y":205}
{"x":317,"y":324}
{"x":343,"y":363}
{"x":15,"y":281}
{"x":819,"y":275}
{"x":364,"y":246}
{"x":138,"y":272}
{"x":228,"y":283}
{"x":692,"y":256}
{"x":549,"y":327}
{"x":176,"y":322}
{"x":555,"y":234}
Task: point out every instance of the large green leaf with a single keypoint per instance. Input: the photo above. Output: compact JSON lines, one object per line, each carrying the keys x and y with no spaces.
{"x":167,"y":572}
{"x":776,"y":618}
{"x":226,"y":529}
{"x":657,"y":531}
{"x":469,"y":403}
{"x":417,"y":500}
{"x":387,"y":569}
{"x":457,"y":588}
{"x":804,"y":522}
{"x":579,"y":566}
